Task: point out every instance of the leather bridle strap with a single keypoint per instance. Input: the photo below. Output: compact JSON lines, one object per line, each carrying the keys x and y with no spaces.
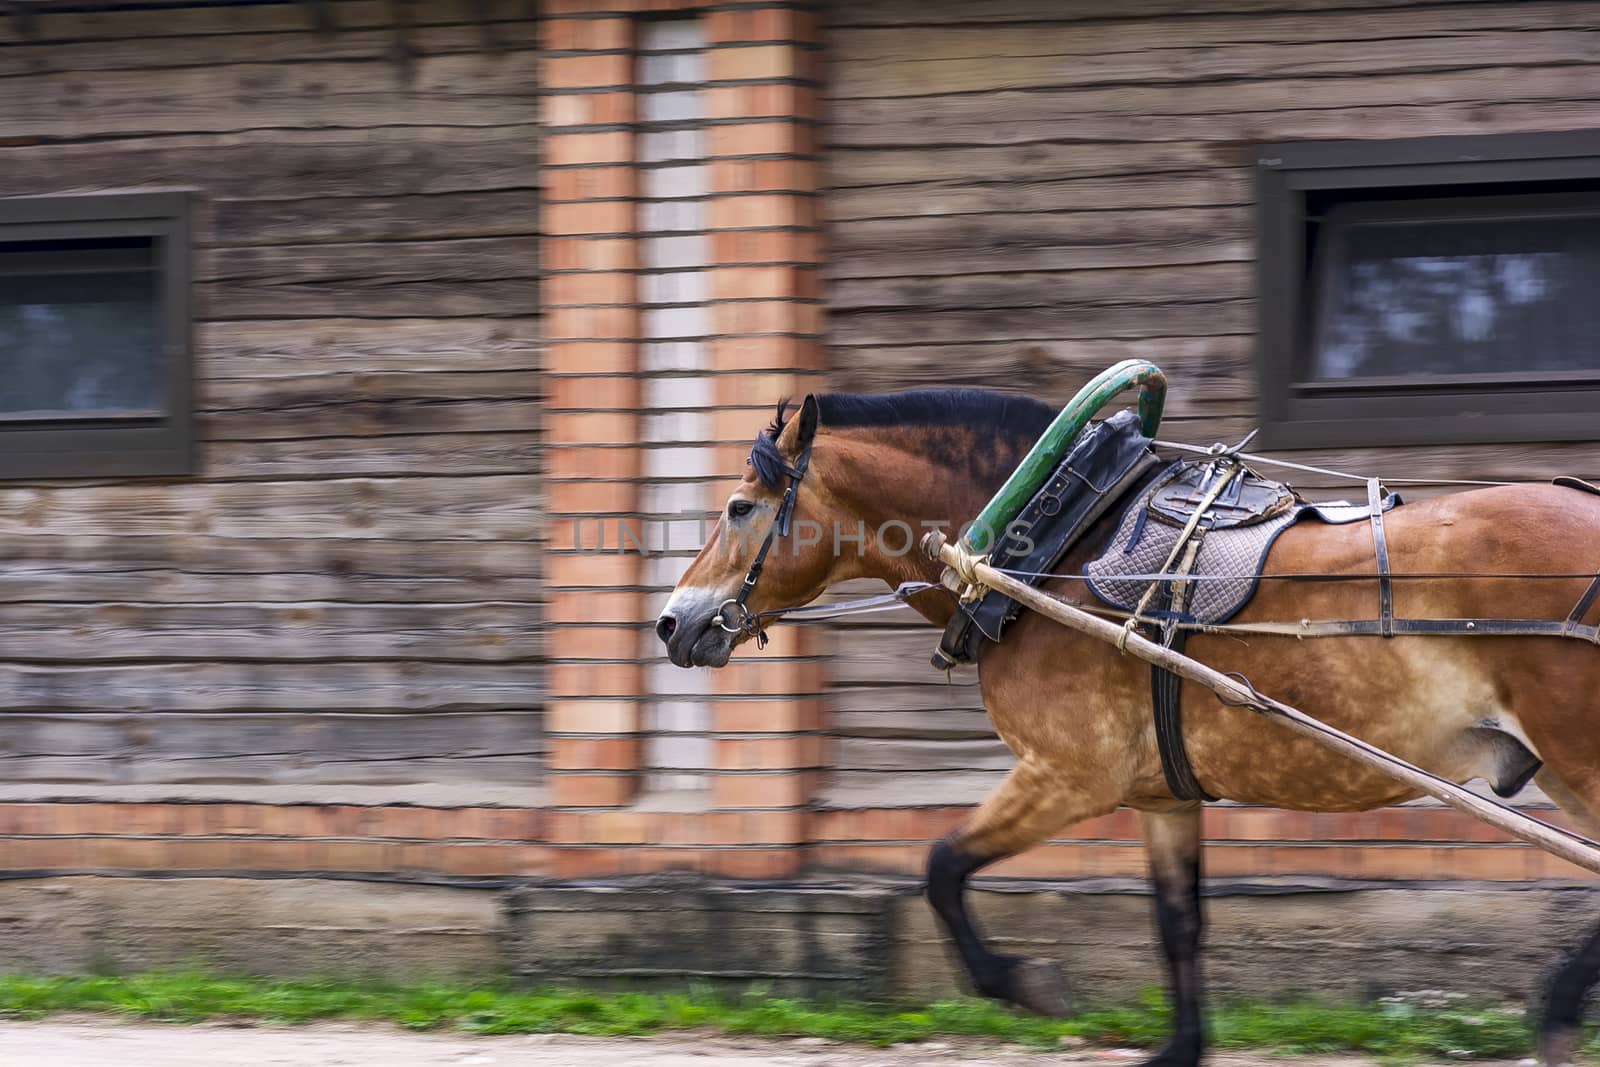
{"x":746,"y":621}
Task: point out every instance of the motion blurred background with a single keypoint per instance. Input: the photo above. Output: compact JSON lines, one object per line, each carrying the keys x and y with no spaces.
{"x":353,"y":348}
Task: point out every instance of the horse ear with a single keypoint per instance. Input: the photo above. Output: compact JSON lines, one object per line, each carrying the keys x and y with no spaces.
{"x":810,"y":416}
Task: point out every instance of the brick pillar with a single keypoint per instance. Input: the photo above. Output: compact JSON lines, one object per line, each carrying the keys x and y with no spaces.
{"x":762,"y":304}
{"x":592,"y":421}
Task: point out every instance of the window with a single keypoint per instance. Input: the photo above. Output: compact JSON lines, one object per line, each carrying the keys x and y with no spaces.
{"x":674,"y":251}
{"x":94,"y":336}
{"x":1429,"y":291}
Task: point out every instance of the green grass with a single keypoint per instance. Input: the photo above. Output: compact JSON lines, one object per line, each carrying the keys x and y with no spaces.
{"x":1391,"y":1031}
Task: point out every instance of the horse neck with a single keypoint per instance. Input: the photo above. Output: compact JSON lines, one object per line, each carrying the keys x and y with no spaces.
{"x":920,"y":476}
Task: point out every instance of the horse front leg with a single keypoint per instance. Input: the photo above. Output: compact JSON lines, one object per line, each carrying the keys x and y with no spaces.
{"x":1030,"y":805}
{"x":1172,"y":842}
{"x":1561,"y":1028}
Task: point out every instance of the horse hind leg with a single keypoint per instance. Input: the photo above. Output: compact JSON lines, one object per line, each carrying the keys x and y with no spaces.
{"x":1561,"y":1025}
{"x":1030,"y":805}
{"x":1172,"y":841}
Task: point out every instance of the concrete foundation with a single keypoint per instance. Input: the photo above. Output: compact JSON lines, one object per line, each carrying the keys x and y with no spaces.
{"x":289,"y":926}
{"x":1490,"y":941}
{"x":1493,"y":942}
{"x":803,"y":941}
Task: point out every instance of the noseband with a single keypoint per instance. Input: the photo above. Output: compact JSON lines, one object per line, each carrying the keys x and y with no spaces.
{"x":744,"y":620}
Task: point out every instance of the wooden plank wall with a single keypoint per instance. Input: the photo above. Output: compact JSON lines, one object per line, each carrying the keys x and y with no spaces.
{"x":1024,"y":191}
{"x":347,"y":593}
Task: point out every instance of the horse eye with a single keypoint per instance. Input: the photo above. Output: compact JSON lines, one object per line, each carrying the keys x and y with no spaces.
{"x":738,"y":509}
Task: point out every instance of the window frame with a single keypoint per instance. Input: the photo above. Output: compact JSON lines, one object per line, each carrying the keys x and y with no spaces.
{"x":1445,"y":410}
{"x":117,"y":446}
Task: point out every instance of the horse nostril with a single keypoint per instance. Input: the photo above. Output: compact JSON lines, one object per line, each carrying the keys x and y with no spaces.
{"x":665,"y":626}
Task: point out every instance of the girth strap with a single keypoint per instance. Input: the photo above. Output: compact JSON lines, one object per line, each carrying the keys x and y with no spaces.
{"x":1380,"y":547}
{"x":1166,"y":688}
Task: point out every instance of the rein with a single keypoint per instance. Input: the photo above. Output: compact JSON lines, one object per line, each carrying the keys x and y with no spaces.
{"x":1251,"y":457}
{"x":866,"y":605}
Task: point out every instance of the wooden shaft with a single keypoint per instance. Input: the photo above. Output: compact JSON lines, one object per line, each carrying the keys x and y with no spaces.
{"x":1574,"y":848}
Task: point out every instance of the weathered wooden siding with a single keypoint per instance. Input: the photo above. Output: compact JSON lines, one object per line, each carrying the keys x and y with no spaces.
{"x":1021,"y":192}
{"x":347,"y":593}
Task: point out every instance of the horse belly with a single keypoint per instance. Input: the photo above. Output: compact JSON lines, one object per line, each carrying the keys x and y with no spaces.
{"x":1431,"y":701}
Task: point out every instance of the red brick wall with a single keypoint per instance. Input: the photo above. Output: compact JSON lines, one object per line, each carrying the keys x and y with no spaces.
{"x":1419,"y":843}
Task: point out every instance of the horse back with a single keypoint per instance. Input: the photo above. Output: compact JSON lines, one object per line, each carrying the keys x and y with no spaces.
{"x":1484,"y":553}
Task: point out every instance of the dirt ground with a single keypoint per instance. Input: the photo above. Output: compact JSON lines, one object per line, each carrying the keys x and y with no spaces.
{"x":84,"y":1043}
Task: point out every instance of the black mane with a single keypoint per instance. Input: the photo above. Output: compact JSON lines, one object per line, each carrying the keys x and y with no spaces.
{"x":1003,"y":415}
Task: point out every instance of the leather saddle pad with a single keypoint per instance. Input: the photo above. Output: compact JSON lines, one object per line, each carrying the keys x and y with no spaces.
{"x":1231,"y":554}
{"x":1247,"y":500}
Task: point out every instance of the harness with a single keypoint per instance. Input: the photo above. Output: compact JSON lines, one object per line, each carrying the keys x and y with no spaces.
{"x":746,"y":621}
{"x":1163,"y":611}
{"x":1104,"y":463}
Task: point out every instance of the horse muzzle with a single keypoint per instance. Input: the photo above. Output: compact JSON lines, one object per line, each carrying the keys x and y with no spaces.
{"x":689,"y":630}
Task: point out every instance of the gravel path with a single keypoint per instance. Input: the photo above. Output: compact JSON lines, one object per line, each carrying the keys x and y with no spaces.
{"x":90,"y":1043}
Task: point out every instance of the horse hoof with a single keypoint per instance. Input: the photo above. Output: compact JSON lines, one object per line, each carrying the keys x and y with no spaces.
{"x":1179,"y":1052}
{"x":1558,"y":1045}
{"x":1038,"y":986}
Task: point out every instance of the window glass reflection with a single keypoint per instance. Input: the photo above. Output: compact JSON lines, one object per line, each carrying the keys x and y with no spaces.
{"x":78,"y":338}
{"x":1460,"y":297}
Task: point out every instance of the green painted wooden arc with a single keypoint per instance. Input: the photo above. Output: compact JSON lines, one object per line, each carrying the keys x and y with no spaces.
{"x":1037,"y":465}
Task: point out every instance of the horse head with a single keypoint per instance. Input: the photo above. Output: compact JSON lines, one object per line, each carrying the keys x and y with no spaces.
{"x":767,"y":551}
{"x":865,"y":477}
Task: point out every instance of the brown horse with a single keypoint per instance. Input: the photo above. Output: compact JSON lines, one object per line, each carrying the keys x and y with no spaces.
{"x":1077,"y":714}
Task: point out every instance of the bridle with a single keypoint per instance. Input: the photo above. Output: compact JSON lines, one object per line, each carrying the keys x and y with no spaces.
{"x":745,"y":620}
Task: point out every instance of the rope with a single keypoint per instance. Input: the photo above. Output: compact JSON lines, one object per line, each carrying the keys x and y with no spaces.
{"x":891,"y":601}
{"x":1269,"y":461}
{"x":1304,"y":577}
{"x":1312,"y":628}
{"x":966,"y":566}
